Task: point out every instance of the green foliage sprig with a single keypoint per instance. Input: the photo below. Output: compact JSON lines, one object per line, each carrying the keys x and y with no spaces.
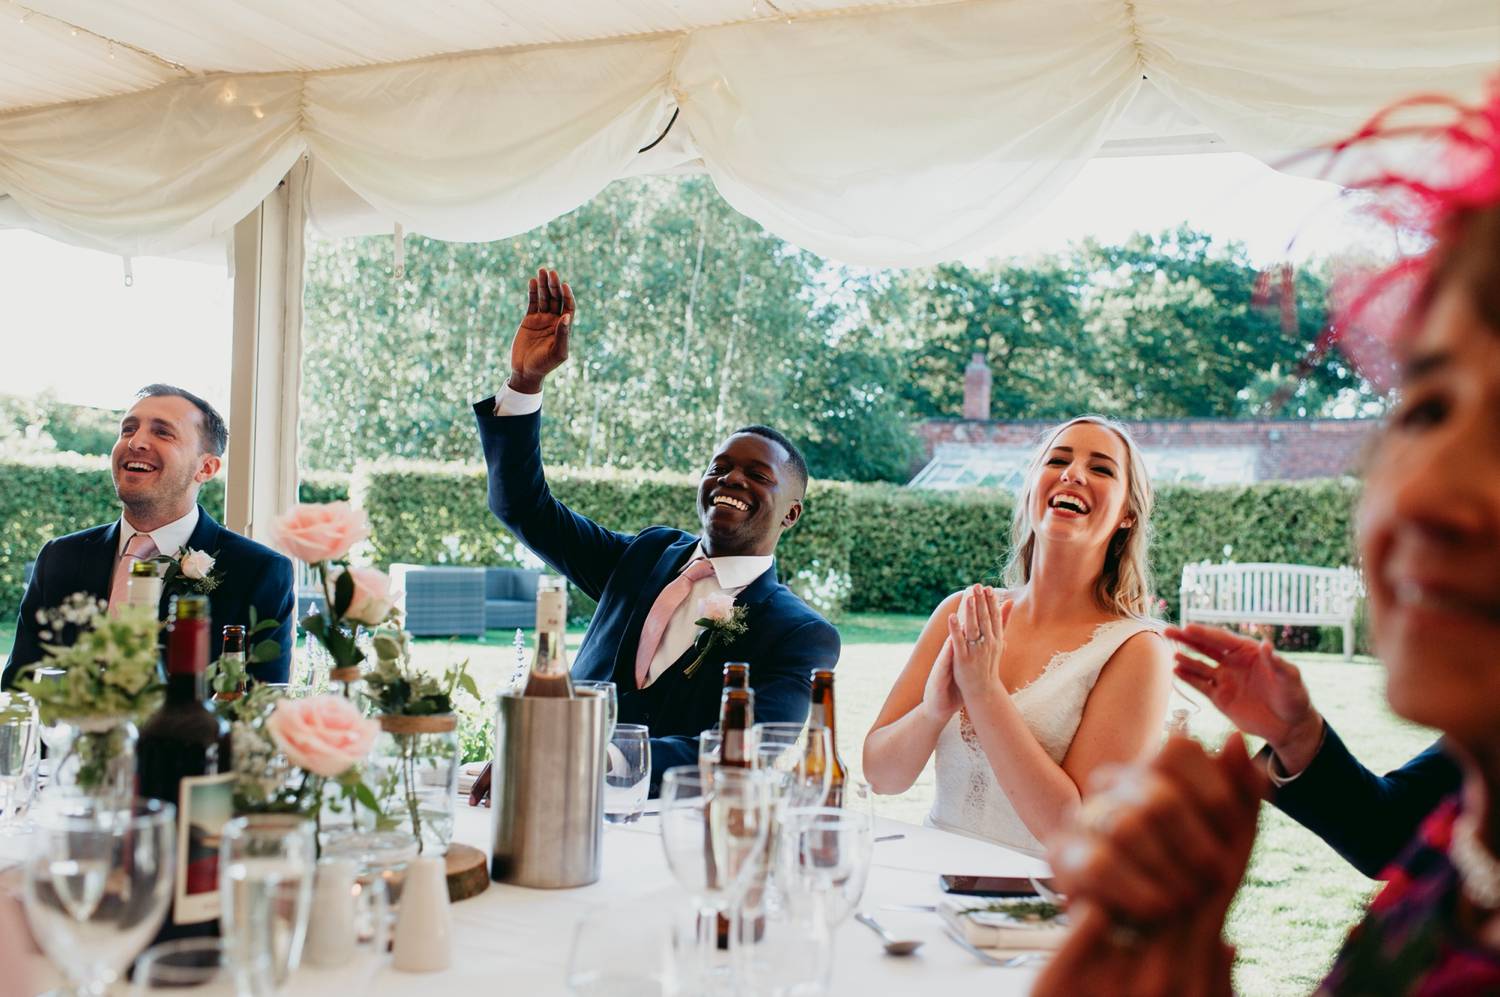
{"x":396,"y":687}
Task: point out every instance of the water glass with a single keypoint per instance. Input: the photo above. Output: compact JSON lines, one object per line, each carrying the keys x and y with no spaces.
{"x":710,"y":744}
{"x":825,"y":860}
{"x":266,"y":869}
{"x":611,"y":701}
{"x":19,"y":757}
{"x":97,"y":884}
{"x":198,"y":964}
{"x":628,"y":776}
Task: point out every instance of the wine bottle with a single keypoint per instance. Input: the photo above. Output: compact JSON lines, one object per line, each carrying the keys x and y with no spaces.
{"x":143,"y":585}
{"x":820,"y":716}
{"x":183,"y":758}
{"x":549,"y":668}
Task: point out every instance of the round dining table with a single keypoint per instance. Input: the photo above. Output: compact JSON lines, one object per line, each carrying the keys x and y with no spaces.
{"x":512,"y":940}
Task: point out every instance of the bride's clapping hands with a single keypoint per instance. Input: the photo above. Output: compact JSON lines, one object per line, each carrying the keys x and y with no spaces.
{"x":976,"y":634}
{"x":940,"y":696}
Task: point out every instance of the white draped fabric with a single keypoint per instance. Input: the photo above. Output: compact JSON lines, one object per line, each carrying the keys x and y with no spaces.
{"x":893,"y":134}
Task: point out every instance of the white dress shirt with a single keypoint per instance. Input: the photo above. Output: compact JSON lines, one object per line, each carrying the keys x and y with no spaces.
{"x":168,"y":539}
{"x":731,"y":574}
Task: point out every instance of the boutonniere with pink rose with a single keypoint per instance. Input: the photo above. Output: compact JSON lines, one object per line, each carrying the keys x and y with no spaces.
{"x":188,"y":572}
{"x":321,"y":535}
{"x":722,"y":621}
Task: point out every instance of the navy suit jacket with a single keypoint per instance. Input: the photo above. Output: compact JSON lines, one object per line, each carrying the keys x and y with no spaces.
{"x":1367,"y":818}
{"x":251,"y":575}
{"x":785,"y":640}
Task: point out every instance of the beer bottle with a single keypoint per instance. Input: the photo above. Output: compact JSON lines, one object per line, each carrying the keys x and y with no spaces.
{"x":820,"y":716}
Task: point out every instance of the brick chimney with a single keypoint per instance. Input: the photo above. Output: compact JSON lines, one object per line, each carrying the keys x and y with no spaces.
{"x":977,"y":389}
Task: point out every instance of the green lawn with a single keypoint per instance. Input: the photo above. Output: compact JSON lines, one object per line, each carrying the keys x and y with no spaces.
{"x":1299,"y":899}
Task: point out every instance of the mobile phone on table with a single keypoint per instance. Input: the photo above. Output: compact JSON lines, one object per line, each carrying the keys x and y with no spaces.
{"x":990,"y":886}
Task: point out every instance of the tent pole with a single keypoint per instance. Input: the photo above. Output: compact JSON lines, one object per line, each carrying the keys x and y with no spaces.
{"x":266,"y":365}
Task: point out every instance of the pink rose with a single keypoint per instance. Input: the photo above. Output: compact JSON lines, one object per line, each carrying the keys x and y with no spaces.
{"x":326,"y":735}
{"x":716,"y":606}
{"x":313,"y":532}
{"x":373,"y":599}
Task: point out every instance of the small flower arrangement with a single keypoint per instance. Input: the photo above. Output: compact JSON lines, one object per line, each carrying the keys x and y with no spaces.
{"x":321,"y":535}
{"x":109,"y":670}
{"x":188,"y":572}
{"x":416,"y":766}
{"x":722,"y":621}
{"x":109,"y":678}
{"x":326,"y":737}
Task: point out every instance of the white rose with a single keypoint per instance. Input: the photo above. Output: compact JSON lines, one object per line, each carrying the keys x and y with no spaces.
{"x":196,"y":565}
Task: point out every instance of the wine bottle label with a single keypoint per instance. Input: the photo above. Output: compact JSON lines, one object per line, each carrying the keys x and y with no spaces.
{"x":205,"y":803}
{"x":552,"y":611}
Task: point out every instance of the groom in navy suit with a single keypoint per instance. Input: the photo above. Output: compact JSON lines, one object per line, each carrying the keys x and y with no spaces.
{"x":649,"y":585}
{"x":171,"y":442}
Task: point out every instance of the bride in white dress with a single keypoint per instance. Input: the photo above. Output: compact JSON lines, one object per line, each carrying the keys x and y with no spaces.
{"x":1024,"y":693}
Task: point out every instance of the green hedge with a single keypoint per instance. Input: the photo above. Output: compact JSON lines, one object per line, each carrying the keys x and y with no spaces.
{"x":864,"y":548}
{"x":46,"y":497}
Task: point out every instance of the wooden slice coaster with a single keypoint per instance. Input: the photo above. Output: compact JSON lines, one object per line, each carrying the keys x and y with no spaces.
{"x":468,"y":872}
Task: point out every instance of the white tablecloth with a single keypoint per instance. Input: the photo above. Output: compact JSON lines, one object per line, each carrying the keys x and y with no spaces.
{"x":514,"y":941}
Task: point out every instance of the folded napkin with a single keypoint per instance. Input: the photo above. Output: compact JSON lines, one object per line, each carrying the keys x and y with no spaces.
{"x":1006,"y":922}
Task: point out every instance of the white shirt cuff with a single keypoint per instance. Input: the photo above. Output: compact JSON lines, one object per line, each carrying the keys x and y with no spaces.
{"x":1278,"y":773}
{"x":509,"y":401}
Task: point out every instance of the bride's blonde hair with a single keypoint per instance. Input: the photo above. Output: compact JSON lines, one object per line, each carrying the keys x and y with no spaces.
{"x":1124,"y":586}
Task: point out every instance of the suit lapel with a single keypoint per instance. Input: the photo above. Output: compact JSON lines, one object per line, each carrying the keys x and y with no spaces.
{"x":667,"y":567}
{"x":754,"y":594}
{"x":205,"y":537}
{"x":98,"y":567}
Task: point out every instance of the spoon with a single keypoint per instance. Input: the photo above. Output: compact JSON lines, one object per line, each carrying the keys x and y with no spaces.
{"x":893,"y":946}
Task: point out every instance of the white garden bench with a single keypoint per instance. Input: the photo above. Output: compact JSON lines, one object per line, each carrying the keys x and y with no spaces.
{"x":1278,"y":594}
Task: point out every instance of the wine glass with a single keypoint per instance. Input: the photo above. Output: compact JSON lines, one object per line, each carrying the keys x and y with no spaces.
{"x":611,"y":703}
{"x":19,"y":756}
{"x":710,"y":744}
{"x":197,"y":964}
{"x":97,"y":885}
{"x":783,"y":748}
{"x":714,"y":829}
{"x":825,"y":859}
{"x":266,"y":865}
{"x":629,"y":774}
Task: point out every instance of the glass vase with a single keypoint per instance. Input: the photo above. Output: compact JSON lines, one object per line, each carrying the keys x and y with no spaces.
{"x":414,"y":774}
{"x":94,"y":759}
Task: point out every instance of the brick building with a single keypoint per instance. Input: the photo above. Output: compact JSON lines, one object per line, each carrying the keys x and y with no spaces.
{"x":976,"y":451}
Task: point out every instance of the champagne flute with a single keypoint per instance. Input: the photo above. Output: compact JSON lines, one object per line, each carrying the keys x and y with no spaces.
{"x":97,"y":885}
{"x":266,"y":865}
{"x":715,"y":825}
{"x":611,"y":703}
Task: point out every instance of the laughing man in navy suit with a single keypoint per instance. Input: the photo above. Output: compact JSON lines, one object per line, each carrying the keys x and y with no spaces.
{"x":653,"y":581}
{"x":171,"y":442}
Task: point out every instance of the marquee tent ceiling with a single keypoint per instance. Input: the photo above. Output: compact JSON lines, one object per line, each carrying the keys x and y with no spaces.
{"x":892,"y":132}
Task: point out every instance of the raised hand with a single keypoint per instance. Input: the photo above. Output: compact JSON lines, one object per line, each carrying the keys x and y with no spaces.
{"x":940,"y":696}
{"x":1258,"y":690}
{"x":977,"y":635}
{"x":541,"y":343}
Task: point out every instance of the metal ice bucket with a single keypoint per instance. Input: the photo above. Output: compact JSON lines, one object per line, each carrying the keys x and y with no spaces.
{"x":547,"y":790}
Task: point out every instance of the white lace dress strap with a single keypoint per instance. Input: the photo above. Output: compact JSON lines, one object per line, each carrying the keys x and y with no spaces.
{"x":969,"y":799}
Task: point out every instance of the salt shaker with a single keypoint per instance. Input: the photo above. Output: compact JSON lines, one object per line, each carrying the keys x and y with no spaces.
{"x":330,"y":927}
{"x":424,"y":935}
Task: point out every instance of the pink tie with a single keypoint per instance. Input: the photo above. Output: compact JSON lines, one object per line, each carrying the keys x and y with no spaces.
{"x":138,"y":548}
{"x":672,"y":596}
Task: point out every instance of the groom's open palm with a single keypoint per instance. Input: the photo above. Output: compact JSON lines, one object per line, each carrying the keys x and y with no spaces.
{"x":541,"y":343}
